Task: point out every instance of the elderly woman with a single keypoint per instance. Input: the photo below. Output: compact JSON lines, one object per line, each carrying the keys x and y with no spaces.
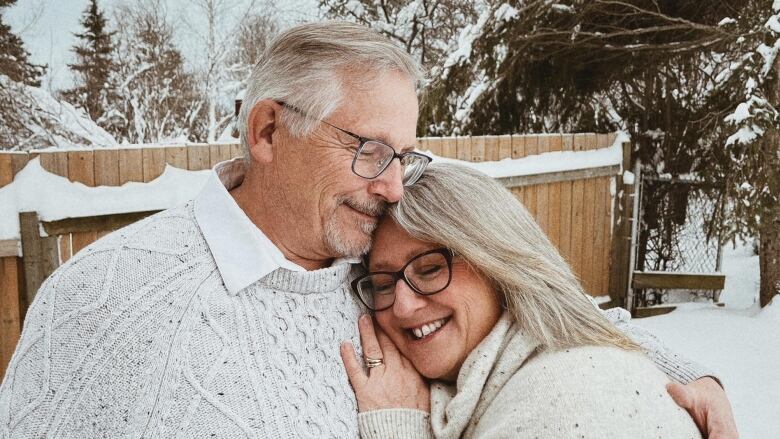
{"x":469,"y":293}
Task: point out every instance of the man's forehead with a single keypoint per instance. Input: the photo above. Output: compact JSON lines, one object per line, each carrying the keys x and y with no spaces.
{"x":383,"y":108}
{"x":377,"y":128}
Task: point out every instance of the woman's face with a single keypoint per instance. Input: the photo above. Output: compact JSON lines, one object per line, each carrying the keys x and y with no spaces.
{"x":460,"y":316}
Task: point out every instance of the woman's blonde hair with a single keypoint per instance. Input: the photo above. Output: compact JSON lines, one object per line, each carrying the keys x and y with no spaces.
{"x":481,"y":221}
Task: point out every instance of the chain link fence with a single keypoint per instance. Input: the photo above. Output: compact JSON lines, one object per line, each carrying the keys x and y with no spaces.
{"x":680,"y":231}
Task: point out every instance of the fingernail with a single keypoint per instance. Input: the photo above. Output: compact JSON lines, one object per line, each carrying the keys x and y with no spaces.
{"x":365,"y":318}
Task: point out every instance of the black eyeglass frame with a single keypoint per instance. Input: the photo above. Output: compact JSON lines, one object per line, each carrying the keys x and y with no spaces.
{"x":448,"y":256}
{"x":362,"y":142}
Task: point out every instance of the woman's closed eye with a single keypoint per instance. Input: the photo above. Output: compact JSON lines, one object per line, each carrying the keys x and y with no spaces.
{"x":428,"y":270}
{"x":381,"y":288}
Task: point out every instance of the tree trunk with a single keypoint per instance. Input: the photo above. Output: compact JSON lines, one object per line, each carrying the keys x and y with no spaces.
{"x":769,"y":228}
{"x":769,"y":255}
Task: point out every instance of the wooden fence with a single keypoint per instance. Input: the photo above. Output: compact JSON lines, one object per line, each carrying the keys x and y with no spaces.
{"x":575,"y":208}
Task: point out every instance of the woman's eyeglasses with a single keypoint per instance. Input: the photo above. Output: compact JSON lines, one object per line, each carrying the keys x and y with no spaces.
{"x":427,"y":273}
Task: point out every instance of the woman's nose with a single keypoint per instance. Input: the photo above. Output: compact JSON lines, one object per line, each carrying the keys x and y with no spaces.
{"x":407,"y":301}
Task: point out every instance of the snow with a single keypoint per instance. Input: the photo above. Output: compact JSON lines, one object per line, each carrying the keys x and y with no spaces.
{"x":356,"y":8}
{"x":75,"y":120}
{"x":628,"y":178}
{"x":468,"y":35}
{"x":50,"y":122}
{"x":773,"y":24}
{"x":656,"y":134}
{"x":227,"y":134}
{"x":740,"y":266}
{"x":727,"y":20}
{"x":563,"y":8}
{"x":768,"y":54}
{"x":745,"y":135}
{"x":466,"y":104}
{"x":505,"y":12}
{"x":750,"y":85}
{"x":545,"y":163}
{"x":741,"y":113}
{"x":738,"y":342}
{"x":54,"y":198}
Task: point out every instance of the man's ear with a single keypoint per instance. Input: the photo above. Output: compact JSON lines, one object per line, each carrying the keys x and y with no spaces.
{"x":262,"y":123}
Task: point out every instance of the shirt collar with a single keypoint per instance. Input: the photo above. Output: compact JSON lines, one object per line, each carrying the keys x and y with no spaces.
{"x":243,"y":253}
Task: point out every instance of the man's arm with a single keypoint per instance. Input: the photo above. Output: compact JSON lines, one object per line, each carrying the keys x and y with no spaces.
{"x":675,"y":366}
{"x":701,"y":392}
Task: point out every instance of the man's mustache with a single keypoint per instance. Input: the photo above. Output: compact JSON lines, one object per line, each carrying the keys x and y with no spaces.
{"x":375,"y":208}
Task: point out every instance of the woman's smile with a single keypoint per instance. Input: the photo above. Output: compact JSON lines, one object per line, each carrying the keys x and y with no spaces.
{"x":436,"y":332}
{"x":427,"y":330}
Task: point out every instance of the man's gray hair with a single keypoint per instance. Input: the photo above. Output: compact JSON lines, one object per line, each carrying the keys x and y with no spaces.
{"x":482,"y":222}
{"x":307,"y":65}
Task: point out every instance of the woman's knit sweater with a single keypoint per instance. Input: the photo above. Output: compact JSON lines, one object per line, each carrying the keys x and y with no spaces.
{"x":506,"y":388}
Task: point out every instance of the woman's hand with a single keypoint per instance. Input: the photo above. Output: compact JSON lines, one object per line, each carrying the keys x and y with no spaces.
{"x":393,"y":384}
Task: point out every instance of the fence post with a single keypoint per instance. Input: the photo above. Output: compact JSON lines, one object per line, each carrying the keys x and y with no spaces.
{"x":40,"y":255}
{"x":11,"y":290}
{"x":621,"y":234}
{"x":635,"y":219}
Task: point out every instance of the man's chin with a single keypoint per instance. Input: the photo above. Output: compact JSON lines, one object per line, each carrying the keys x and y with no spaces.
{"x":352,"y":242}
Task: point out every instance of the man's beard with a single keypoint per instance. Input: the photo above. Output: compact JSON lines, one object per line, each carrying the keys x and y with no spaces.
{"x":339,"y":242}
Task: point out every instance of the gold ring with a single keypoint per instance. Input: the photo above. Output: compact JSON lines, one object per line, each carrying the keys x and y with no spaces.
{"x":373,"y":362}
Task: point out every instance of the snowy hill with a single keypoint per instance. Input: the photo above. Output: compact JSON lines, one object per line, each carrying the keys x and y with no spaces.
{"x":31,"y":118}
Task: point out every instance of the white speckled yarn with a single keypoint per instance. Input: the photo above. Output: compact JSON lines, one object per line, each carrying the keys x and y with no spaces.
{"x":507,"y":388}
{"x":137,"y":337}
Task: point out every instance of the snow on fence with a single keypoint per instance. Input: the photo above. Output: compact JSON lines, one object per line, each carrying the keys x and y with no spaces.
{"x":54,"y":203}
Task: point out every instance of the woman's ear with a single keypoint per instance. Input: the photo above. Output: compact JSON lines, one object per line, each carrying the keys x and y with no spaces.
{"x":261,"y":125}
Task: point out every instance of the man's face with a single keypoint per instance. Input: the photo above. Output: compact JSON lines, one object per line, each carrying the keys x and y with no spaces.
{"x":335,"y":208}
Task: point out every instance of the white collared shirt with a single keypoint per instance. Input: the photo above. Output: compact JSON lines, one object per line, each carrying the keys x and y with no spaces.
{"x":243,"y":253}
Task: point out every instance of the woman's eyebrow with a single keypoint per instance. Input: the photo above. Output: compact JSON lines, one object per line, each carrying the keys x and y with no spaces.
{"x":380,"y":266}
{"x":386,"y":266}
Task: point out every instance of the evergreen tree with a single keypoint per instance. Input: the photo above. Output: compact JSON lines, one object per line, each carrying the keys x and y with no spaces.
{"x":94,"y":63}
{"x":14,"y":59}
{"x":750,"y":161}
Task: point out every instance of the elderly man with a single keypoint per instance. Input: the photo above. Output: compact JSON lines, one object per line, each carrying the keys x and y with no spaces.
{"x":223,"y":317}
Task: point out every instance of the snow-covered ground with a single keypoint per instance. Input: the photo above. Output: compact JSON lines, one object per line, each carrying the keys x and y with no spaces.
{"x":739,"y":342}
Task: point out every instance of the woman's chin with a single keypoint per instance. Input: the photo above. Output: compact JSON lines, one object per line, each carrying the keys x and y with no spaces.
{"x":438,"y":370}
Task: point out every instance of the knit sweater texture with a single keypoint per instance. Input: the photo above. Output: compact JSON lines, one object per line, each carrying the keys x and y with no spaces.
{"x":507,"y":388}
{"x":137,"y":336}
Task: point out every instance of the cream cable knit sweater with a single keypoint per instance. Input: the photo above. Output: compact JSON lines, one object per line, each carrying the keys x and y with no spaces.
{"x":138,"y":337}
{"x":506,"y":389}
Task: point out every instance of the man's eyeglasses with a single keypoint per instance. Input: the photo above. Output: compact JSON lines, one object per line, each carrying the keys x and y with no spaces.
{"x":426,"y":274}
{"x":373,"y":157}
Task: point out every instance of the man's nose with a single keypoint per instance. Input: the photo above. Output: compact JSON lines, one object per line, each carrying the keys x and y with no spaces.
{"x":389,"y":185}
{"x":407,"y":302}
